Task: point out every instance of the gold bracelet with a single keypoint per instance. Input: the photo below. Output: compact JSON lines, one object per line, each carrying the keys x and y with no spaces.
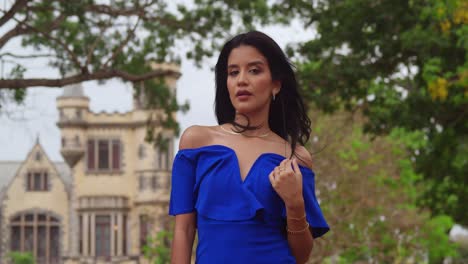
{"x":298,"y":231}
{"x":298,"y":219}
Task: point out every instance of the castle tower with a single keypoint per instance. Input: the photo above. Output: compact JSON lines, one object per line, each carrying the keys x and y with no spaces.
{"x":120,"y":182}
{"x":73,"y":108}
{"x":172,"y":75}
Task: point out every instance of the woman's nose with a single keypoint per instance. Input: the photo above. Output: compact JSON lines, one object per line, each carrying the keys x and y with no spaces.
{"x":242,"y":78}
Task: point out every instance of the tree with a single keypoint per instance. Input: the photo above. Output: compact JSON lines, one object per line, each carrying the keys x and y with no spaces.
{"x":367,"y":191}
{"x":98,"y":40}
{"x":403,"y":64}
{"x":21,"y":257}
{"x":157,"y":249}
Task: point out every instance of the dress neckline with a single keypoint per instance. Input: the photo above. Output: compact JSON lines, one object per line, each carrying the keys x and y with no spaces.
{"x":242,"y":178}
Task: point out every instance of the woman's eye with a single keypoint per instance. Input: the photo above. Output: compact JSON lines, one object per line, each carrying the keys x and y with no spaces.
{"x":255,"y":71}
{"x":233,"y":73}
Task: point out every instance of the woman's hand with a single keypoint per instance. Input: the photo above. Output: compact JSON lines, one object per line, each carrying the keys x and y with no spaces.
{"x":286,"y":180}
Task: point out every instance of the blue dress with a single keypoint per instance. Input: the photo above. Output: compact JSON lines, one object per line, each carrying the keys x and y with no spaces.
{"x":237,"y":221}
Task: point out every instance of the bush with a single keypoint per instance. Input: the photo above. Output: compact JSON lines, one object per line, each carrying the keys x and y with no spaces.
{"x":21,"y":257}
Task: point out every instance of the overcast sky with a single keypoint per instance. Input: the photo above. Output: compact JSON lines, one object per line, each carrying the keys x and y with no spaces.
{"x":20,"y":126}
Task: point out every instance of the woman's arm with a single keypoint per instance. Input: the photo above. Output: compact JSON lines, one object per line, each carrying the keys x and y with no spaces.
{"x":286,"y":179}
{"x":184,"y":234}
{"x":299,"y":237}
{"x":185,"y":224}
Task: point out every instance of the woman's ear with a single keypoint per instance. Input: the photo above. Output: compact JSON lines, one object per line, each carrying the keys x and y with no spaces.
{"x":276,"y":87}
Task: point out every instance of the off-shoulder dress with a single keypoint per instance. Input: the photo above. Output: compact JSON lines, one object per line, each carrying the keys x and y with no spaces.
{"x":238,"y":221}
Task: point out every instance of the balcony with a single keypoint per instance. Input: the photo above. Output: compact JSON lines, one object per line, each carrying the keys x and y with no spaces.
{"x":72,"y":151}
{"x":153,"y":187}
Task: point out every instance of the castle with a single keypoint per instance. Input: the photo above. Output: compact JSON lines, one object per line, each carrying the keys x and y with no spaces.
{"x":101,"y":204}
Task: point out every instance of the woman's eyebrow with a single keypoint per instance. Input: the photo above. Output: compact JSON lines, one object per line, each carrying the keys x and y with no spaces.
{"x":252,"y":63}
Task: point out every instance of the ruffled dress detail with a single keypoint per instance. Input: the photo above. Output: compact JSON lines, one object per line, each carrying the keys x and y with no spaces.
{"x":237,"y":221}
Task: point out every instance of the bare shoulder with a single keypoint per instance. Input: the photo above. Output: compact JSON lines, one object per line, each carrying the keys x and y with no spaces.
{"x":303,"y":156}
{"x":195,"y":137}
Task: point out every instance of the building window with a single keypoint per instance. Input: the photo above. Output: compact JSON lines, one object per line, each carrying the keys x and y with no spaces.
{"x":154,"y":182}
{"x":141,"y":152}
{"x":164,"y":156}
{"x":80,"y":235}
{"x":101,"y":234}
{"x":54,"y":244}
{"x":16,"y":238}
{"x":78,"y":113}
{"x":168,"y":182}
{"x":91,"y":156}
{"x":102,"y":238}
{"x":169,"y":154}
{"x":115,"y":154}
{"x":161,"y":158}
{"x":37,"y":181}
{"x":145,"y":227}
{"x":124,"y":231}
{"x":36,"y":233}
{"x":104,"y":153}
{"x":141,"y":182}
{"x":115,"y":229}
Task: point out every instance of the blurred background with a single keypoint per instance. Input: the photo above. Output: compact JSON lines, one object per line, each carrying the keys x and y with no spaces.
{"x":386,"y":83}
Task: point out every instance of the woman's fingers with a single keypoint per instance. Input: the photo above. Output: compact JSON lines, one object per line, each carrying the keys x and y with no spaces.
{"x":272,"y":178}
{"x":296,"y":166}
{"x":289,"y":167}
{"x":282,"y":166}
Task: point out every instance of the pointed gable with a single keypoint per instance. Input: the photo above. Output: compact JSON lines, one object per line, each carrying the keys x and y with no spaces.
{"x":36,"y":179}
{"x":37,"y":162}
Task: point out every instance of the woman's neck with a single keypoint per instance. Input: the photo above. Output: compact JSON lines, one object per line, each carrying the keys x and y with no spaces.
{"x":259,"y":121}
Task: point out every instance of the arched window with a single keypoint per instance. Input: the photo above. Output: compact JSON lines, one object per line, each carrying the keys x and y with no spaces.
{"x":38,"y":233}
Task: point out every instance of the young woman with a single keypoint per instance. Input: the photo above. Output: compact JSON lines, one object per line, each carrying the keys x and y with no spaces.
{"x":246,"y":184}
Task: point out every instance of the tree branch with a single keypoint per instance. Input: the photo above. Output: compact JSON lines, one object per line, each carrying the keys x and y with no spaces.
{"x":119,"y":49}
{"x":54,"y":24}
{"x":99,"y":38}
{"x":9,"y":54}
{"x":16,"y":31}
{"x":138,"y":11}
{"x":99,"y":75}
{"x":13,"y":10}
{"x":111,"y":11}
{"x":23,"y":28}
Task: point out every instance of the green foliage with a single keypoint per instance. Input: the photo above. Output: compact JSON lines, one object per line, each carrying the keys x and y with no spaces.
{"x":157,"y":249}
{"x":21,"y":257}
{"x":436,"y":239}
{"x":98,"y":39}
{"x":368,"y":189}
{"x":404,"y":65}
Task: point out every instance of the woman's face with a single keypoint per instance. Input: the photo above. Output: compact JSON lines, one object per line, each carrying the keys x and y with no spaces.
{"x":249,"y":80}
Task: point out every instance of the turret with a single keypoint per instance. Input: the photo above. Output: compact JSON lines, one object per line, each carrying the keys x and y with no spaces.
{"x":172,"y":75}
{"x":73,"y":108}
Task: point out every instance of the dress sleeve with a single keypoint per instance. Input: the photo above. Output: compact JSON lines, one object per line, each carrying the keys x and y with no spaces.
{"x":313,"y":212}
{"x":182,"y":185}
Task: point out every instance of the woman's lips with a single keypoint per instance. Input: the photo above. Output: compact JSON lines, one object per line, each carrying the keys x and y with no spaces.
{"x":243,"y":95}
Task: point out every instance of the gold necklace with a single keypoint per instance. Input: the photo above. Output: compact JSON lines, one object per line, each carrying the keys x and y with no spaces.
{"x":240,"y":134}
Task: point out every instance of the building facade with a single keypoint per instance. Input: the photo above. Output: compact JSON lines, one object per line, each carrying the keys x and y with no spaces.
{"x":100,"y":205}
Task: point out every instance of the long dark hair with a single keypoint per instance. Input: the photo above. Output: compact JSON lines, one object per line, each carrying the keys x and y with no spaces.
{"x":288,"y":117}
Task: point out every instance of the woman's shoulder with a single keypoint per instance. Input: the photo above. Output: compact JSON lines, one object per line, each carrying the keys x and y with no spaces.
{"x":196,"y":137}
{"x":303,"y":156}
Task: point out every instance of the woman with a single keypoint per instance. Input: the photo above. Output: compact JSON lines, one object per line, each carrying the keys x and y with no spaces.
{"x":246,"y":184}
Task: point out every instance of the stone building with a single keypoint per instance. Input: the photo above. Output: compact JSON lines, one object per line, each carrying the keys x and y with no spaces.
{"x":100,"y":205}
